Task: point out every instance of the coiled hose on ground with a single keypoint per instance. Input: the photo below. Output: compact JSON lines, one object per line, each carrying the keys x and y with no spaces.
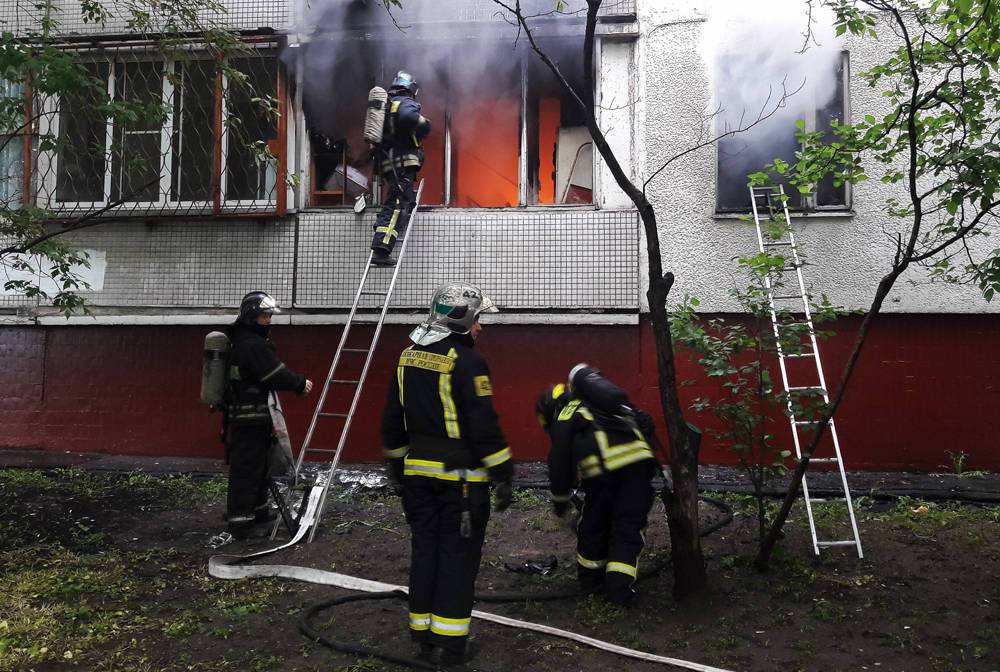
{"x":307,"y":627}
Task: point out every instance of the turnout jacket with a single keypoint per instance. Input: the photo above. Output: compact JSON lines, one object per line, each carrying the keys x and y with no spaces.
{"x":439,"y":420}
{"x":254,"y":372}
{"x":595,"y":445}
{"x":403,"y":135}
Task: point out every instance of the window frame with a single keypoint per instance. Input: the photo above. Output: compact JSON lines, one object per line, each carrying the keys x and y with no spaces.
{"x":217,"y":204}
{"x":25,"y":133}
{"x":807,"y":204}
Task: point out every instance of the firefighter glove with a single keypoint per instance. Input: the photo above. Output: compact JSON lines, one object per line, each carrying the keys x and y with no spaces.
{"x":560,"y":508}
{"x":396,"y":477}
{"x":644,"y":421}
{"x":504,"y":493}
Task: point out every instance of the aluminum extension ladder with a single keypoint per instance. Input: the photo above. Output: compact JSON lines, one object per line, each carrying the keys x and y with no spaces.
{"x":367,"y":352}
{"x":765,"y":208}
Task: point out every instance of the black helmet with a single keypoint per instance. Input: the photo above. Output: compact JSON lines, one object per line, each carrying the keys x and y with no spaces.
{"x":256,"y":303}
{"x":404,"y":80}
{"x":549,"y":403}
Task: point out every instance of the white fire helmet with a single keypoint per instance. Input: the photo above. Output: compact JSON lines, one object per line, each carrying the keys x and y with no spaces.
{"x":454,"y":308}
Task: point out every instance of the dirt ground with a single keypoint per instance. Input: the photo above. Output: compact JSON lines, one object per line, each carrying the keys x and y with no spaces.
{"x":108,"y":572}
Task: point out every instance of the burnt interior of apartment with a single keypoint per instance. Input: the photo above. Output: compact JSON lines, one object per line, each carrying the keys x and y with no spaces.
{"x":497,"y":114}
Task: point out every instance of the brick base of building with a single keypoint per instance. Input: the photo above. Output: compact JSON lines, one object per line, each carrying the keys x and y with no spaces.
{"x":925,"y":385}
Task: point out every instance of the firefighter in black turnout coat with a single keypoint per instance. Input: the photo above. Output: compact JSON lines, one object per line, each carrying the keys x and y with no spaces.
{"x":255,"y":373}
{"x":398,"y":158}
{"x":444,"y":445}
{"x":595,"y":431}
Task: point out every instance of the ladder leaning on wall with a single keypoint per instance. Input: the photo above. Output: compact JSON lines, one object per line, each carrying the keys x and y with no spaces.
{"x":770,"y":206}
{"x":344,"y":417}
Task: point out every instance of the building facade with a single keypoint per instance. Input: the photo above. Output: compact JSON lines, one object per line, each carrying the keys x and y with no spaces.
{"x":234,"y":196}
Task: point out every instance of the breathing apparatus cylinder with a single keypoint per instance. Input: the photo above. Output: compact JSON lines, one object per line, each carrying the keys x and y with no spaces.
{"x":598,"y":392}
{"x":378,"y":100}
{"x":213,"y":368}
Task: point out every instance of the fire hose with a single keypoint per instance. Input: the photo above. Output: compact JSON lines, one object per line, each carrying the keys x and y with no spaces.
{"x":236,"y":567}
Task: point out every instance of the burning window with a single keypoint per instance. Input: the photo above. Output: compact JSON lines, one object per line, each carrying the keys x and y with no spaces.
{"x":167,"y":133}
{"x":560,"y":158}
{"x":819,"y":103}
{"x":502,"y":136}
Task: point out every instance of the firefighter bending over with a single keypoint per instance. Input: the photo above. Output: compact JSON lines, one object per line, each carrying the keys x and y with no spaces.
{"x":595,"y":430}
{"x":398,"y":158}
{"x":255,"y":375}
{"x":444,"y":445}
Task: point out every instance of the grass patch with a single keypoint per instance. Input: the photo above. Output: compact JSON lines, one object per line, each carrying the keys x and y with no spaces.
{"x":594,"y":611}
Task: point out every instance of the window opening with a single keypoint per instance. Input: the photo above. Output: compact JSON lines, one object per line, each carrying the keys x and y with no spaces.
{"x":748,"y":152}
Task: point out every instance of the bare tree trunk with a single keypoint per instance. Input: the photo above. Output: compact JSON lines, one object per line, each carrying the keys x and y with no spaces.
{"x":682,"y":514}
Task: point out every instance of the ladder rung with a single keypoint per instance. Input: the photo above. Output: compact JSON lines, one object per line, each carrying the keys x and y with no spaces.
{"x":821,"y":460}
{"x":782,"y":243}
{"x":801,"y":354}
{"x":321,"y":450}
{"x":794,"y":324}
{"x":786,"y":296}
{"x":372,"y":293}
{"x":355,"y":350}
{"x":345,"y":382}
{"x":828,"y":500}
{"x":333,"y":415}
{"x":806,"y":422}
{"x":836,"y":543}
{"x":807,"y":387}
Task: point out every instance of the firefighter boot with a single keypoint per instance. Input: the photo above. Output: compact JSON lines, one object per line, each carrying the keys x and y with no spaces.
{"x":380,"y":257}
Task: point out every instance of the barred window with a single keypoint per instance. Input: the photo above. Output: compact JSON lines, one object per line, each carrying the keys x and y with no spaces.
{"x":154,"y":136}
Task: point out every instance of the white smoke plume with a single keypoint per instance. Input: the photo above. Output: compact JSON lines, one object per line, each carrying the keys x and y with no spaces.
{"x":756,"y":53}
{"x":754,"y":49}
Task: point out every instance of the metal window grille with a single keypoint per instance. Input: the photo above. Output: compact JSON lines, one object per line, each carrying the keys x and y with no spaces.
{"x":151,"y":135}
{"x":583,"y":260}
{"x":24,"y":16}
{"x":577,"y":260}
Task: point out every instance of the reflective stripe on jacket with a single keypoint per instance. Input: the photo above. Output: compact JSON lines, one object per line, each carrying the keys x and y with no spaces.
{"x":581,"y":442}
{"x":439,"y":418}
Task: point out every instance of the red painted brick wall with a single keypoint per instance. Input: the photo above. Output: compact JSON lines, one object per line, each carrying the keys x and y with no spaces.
{"x":926,"y":384}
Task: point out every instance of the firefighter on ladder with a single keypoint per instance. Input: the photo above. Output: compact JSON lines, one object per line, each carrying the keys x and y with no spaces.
{"x":596,"y":431}
{"x":444,"y":445}
{"x":399,"y":158}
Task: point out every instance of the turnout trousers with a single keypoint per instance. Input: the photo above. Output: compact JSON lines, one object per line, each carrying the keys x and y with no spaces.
{"x":443,"y":564}
{"x":247,"y":493}
{"x":612,"y":525}
{"x":396,"y":209}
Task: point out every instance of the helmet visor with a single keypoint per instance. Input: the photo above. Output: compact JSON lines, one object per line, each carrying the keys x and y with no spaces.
{"x":269,"y":306}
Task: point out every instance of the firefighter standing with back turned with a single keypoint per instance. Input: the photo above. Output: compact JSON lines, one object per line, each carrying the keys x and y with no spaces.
{"x":594,"y":429}
{"x":398,"y":158}
{"x":444,"y":445}
{"x":255,"y":375}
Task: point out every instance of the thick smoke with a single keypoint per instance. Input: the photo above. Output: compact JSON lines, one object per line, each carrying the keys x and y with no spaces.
{"x":754,"y":52}
{"x":352,"y":45}
{"x":756,"y":48}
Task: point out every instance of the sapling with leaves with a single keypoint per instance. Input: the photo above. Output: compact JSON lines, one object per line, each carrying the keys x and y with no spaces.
{"x":740,"y":352}
{"x":937,"y":139}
